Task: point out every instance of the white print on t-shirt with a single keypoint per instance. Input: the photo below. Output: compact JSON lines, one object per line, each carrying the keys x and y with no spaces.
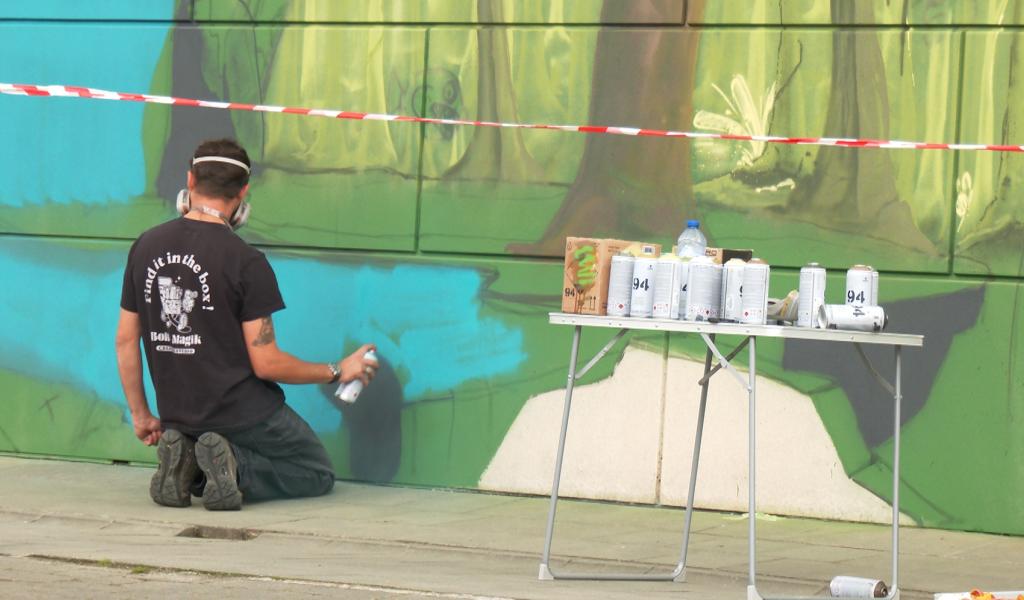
{"x":189,"y":260}
{"x":175,"y":304}
{"x":177,"y":301}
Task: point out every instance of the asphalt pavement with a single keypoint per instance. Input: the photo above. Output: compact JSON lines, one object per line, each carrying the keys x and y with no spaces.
{"x":89,"y":530}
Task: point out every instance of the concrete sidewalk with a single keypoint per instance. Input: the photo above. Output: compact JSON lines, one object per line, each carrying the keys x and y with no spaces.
{"x":90,"y":530}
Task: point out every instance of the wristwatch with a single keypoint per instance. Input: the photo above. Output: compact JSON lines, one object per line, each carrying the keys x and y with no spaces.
{"x":335,"y":372}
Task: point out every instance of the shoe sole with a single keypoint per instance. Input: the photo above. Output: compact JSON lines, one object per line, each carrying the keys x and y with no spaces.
{"x":170,"y":484}
{"x":215,"y":458}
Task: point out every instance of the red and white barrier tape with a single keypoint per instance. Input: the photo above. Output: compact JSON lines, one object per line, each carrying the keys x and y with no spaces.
{"x":21,"y":89}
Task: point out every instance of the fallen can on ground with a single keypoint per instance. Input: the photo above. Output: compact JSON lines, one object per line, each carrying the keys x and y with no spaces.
{"x":845,"y":586}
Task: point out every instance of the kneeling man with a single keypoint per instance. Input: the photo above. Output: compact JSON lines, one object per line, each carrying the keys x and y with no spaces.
{"x":200,"y":299}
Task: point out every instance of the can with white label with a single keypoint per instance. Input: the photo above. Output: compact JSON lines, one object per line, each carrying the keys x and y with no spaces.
{"x":858,"y":285}
{"x":812,"y":294}
{"x":852,"y":317}
{"x":704,"y":289}
{"x":756,"y":274}
{"x":620,"y":285}
{"x":683,"y":273}
{"x":641,"y":299}
{"x":732,"y":288}
{"x":349,"y":391}
{"x":716,"y":291}
{"x":666,"y":287}
{"x":845,"y":586}
{"x":874,"y":287}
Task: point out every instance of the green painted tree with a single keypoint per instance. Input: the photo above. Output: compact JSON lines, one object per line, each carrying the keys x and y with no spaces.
{"x":1001,"y":216}
{"x":495,"y":153}
{"x":855,"y":189}
{"x":633,"y":187}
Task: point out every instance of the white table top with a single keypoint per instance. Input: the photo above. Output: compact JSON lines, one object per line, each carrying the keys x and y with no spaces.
{"x":776,"y":331}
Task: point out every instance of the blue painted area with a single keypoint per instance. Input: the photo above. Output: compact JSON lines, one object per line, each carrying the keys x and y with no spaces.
{"x":58,"y":322}
{"x":88,"y":9}
{"x":60,"y":308}
{"x":424,"y":319}
{"x":67,"y":150}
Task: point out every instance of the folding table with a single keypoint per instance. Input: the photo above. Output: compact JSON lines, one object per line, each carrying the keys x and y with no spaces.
{"x":708,"y":333}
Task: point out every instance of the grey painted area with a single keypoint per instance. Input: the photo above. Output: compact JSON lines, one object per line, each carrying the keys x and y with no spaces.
{"x":374,"y":422}
{"x":189,"y":125}
{"x":938,"y":318}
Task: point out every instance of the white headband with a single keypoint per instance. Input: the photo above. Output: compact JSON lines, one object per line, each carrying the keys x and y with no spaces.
{"x":222,"y":159}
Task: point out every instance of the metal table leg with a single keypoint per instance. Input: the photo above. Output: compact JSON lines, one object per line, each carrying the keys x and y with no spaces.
{"x":545,"y":564}
{"x":679,"y":573}
{"x":545,"y":571}
{"x":896,"y":391}
{"x":751,"y":457}
{"x":894,"y":591}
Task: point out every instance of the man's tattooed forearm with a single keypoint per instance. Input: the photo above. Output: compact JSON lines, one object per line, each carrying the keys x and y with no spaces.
{"x":266,"y":334}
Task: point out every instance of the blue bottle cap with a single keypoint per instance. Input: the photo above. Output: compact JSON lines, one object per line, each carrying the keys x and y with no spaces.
{"x":693,"y":223}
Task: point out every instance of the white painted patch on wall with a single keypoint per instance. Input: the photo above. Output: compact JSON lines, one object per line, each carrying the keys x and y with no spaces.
{"x":612,"y":446}
{"x":611,"y":449}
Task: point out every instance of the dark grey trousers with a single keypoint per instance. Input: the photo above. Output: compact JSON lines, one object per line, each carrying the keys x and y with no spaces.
{"x":280,"y":458}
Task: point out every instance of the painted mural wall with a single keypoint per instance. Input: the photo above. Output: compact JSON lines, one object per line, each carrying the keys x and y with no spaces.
{"x":442,"y":244}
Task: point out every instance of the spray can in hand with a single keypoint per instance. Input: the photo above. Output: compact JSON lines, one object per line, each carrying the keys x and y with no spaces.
{"x":349,"y":391}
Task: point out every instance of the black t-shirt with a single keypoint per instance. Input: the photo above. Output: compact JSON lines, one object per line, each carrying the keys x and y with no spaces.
{"x":192,"y":284}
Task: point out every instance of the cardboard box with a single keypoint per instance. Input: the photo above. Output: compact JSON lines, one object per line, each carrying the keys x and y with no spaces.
{"x":723,"y":255}
{"x":587,"y":264}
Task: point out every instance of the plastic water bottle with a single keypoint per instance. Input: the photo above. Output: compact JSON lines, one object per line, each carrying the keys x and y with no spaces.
{"x":348,"y":392}
{"x":691,"y":241}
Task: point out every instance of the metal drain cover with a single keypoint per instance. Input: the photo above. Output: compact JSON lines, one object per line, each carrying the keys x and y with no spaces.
{"x":218,"y":533}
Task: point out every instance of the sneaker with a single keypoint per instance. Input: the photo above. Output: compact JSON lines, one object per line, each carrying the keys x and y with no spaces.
{"x":177,"y":468}
{"x":217,"y":461}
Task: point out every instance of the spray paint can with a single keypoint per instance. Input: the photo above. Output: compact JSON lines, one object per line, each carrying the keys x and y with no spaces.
{"x":716,"y":293}
{"x":732,"y":289}
{"x":852,"y":317}
{"x":620,"y":285}
{"x":641,"y":300}
{"x":684,"y":275}
{"x":812,"y":294}
{"x":845,"y":586}
{"x":704,"y":289}
{"x":756,"y":275}
{"x":858,"y":285}
{"x":666,"y":287}
{"x":874,"y":287}
{"x":349,"y":391}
